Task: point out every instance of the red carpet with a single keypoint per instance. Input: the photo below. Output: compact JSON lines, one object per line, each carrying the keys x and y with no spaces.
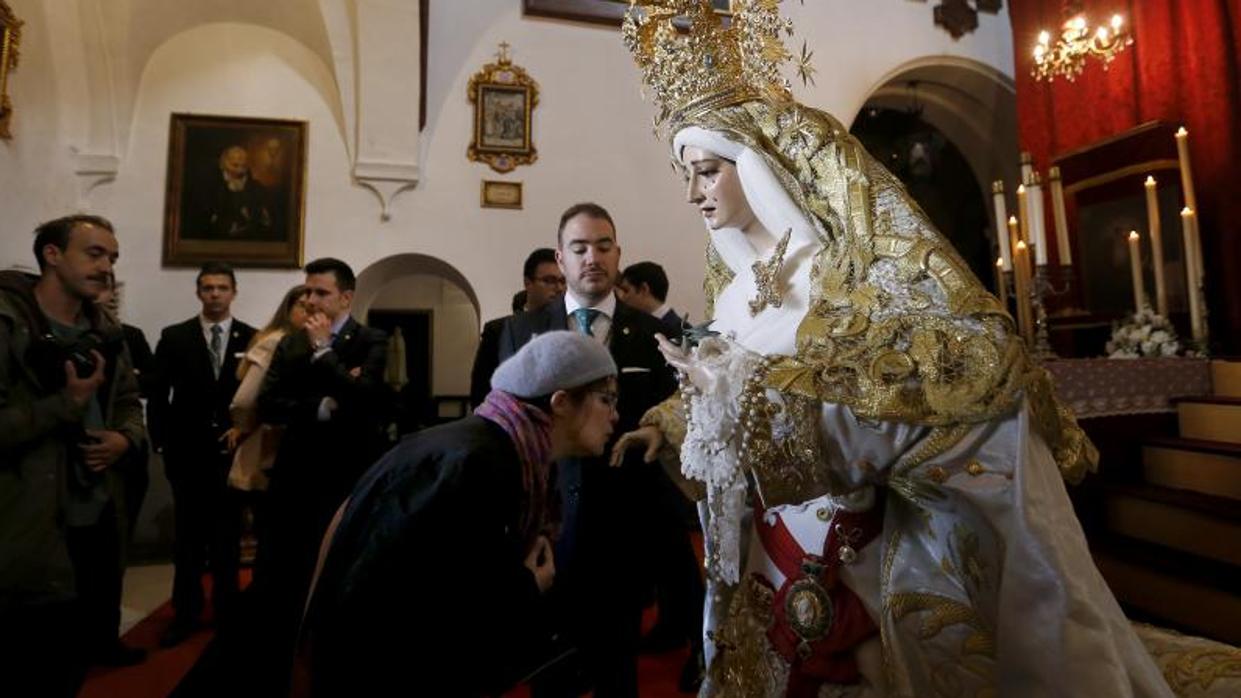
{"x":164,"y":668}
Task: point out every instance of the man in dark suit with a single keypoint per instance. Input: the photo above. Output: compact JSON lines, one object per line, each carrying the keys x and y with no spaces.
{"x":645,"y":286}
{"x":195,"y":379}
{"x":597,"y":587}
{"x":543,"y":282}
{"x":325,"y":384}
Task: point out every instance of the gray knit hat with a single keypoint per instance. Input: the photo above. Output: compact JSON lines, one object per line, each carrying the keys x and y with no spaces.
{"x":553,"y":361}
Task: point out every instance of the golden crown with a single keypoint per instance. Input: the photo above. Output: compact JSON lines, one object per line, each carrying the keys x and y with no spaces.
{"x":693,"y":59}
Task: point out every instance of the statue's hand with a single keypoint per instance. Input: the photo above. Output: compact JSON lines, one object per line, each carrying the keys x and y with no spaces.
{"x":690,"y":365}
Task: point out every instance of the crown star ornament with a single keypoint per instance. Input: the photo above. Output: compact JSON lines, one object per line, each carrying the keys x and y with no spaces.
{"x":715,"y":62}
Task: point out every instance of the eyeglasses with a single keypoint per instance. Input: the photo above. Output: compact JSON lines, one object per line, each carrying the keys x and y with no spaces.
{"x":609,"y":398}
{"x":550,"y":280}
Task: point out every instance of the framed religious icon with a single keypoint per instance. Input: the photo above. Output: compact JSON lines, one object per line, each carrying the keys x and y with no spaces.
{"x":236,"y":189}
{"x":10,"y":42}
{"x":595,"y":11}
{"x":504,"y":97}
{"x":501,"y":194}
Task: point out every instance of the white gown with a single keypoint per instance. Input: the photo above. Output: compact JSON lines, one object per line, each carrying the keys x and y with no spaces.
{"x":983,"y":586}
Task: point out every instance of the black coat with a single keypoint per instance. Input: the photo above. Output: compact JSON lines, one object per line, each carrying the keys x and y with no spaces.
{"x":187,"y":408}
{"x":486,"y":359}
{"x":424,"y":586}
{"x":326,"y":458}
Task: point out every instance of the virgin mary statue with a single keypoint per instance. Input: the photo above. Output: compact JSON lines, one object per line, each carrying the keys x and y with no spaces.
{"x":882,"y":465}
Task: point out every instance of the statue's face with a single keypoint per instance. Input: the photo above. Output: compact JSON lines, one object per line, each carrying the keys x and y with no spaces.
{"x":713,"y":186}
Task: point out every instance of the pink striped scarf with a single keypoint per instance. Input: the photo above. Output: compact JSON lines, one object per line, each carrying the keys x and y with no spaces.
{"x":530,"y":428}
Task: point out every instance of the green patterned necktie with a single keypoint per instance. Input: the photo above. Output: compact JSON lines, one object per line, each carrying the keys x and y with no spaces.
{"x":585,"y":318}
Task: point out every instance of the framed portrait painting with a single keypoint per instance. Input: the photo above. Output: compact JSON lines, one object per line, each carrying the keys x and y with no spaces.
{"x":504,"y":97}
{"x":236,"y":189}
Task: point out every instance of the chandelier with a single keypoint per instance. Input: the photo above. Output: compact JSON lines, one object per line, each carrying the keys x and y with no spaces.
{"x":1077,"y":42}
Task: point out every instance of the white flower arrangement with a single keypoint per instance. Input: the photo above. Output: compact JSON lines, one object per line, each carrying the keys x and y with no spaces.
{"x":1144,"y":333}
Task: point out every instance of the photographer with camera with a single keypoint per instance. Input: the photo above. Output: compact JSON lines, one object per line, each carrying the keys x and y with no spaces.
{"x":70,"y":421}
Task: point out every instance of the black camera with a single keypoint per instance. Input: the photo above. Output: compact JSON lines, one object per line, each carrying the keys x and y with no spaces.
{"x":79,"y":353}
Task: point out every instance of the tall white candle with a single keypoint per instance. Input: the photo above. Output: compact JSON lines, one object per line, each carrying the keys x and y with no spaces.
{"x":1061,"y":217}
{"x":1156,"y":233}
{"x":1001,"y":286}
{"x":1001,"y":220}
{"x":1023,"y":213}
{"x":1135,"y":266}
{"x":1027,"y":166}
{"x":1038,"y":218}
{"x":1193,"y":275}
{"x":1187,"y":175}
{"x":1021,"y":292}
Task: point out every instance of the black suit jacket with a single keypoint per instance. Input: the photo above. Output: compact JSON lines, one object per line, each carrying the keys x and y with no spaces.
{"x":327,"y":457}
{"x":673,"y":323}
{"x":187,"y":407}
{"x":597,"y":527}
{"x":486,"y":359}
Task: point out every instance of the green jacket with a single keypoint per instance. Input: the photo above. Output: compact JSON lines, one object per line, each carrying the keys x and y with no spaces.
{"x":37,"y":427}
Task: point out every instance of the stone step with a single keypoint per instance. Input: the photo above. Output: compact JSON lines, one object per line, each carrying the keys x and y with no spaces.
{"x":1197,"y":524}
{"x":1187,"y":593}
{"x":1209,"y":467}
{"x":1226,"y":378}
{"x":1210,"y":418}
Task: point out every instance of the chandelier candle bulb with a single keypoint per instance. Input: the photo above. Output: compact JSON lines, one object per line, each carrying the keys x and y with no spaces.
{"x":1061,"y":218}
{"x":1135,"y":266}
{"x":1038,"y":219}
{"x":1156,"y":235}
{"x":1001,"y":218}
{"x":1187,"y":177}
{"x":1193,"y":273}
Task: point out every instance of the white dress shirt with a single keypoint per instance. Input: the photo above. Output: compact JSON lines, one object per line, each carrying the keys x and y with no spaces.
{"x":602,"y":325}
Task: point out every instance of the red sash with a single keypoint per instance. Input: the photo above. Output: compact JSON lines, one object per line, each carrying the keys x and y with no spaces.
{"x":818,"y":620}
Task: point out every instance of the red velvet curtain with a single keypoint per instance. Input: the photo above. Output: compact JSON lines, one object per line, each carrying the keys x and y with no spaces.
{"x":1183,"y":68}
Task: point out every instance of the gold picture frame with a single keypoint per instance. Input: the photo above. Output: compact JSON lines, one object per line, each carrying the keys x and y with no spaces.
{"x":236,"y":191}
{"x":609,"y":12}
{"x":504,"y":97}
{"x":10,"y":43}
{"x":498,"y":194}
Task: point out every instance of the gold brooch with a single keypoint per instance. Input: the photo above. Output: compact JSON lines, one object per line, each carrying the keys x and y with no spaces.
{"x":767,"y":278}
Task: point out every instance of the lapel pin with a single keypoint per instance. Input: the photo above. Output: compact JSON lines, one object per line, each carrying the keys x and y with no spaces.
{"x":625,"y":330}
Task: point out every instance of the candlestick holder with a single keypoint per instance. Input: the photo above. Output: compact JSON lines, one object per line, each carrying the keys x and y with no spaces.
{"x":1041,"y":288}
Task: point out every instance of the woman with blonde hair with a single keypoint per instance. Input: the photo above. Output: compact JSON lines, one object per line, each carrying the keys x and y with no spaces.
{"x":255,"y":444}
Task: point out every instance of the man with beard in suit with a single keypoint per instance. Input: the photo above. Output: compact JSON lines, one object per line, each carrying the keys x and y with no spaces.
{"x":598,"y":592}
{"x":325,"y":385}
{"x":194,"y":382}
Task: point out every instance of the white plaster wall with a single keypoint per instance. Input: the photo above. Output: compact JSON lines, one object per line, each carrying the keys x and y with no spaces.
{"x":34,"y":169}
{"x":454,"y":326}
{"x":591,"y":128}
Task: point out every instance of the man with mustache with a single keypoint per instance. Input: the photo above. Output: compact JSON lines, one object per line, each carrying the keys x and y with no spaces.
{"x":597,"y":590}
{"x":70,"y":425}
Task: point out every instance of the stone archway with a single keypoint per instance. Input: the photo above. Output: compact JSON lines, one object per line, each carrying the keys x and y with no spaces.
{"x":437,"y":310}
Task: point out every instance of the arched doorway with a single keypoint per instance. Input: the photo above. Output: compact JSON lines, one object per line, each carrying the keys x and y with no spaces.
{"x":434,"y":310}
{"x":948,"y":128}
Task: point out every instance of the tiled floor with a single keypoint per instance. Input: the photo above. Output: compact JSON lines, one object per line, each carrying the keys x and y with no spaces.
{"x":146,"y":588}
